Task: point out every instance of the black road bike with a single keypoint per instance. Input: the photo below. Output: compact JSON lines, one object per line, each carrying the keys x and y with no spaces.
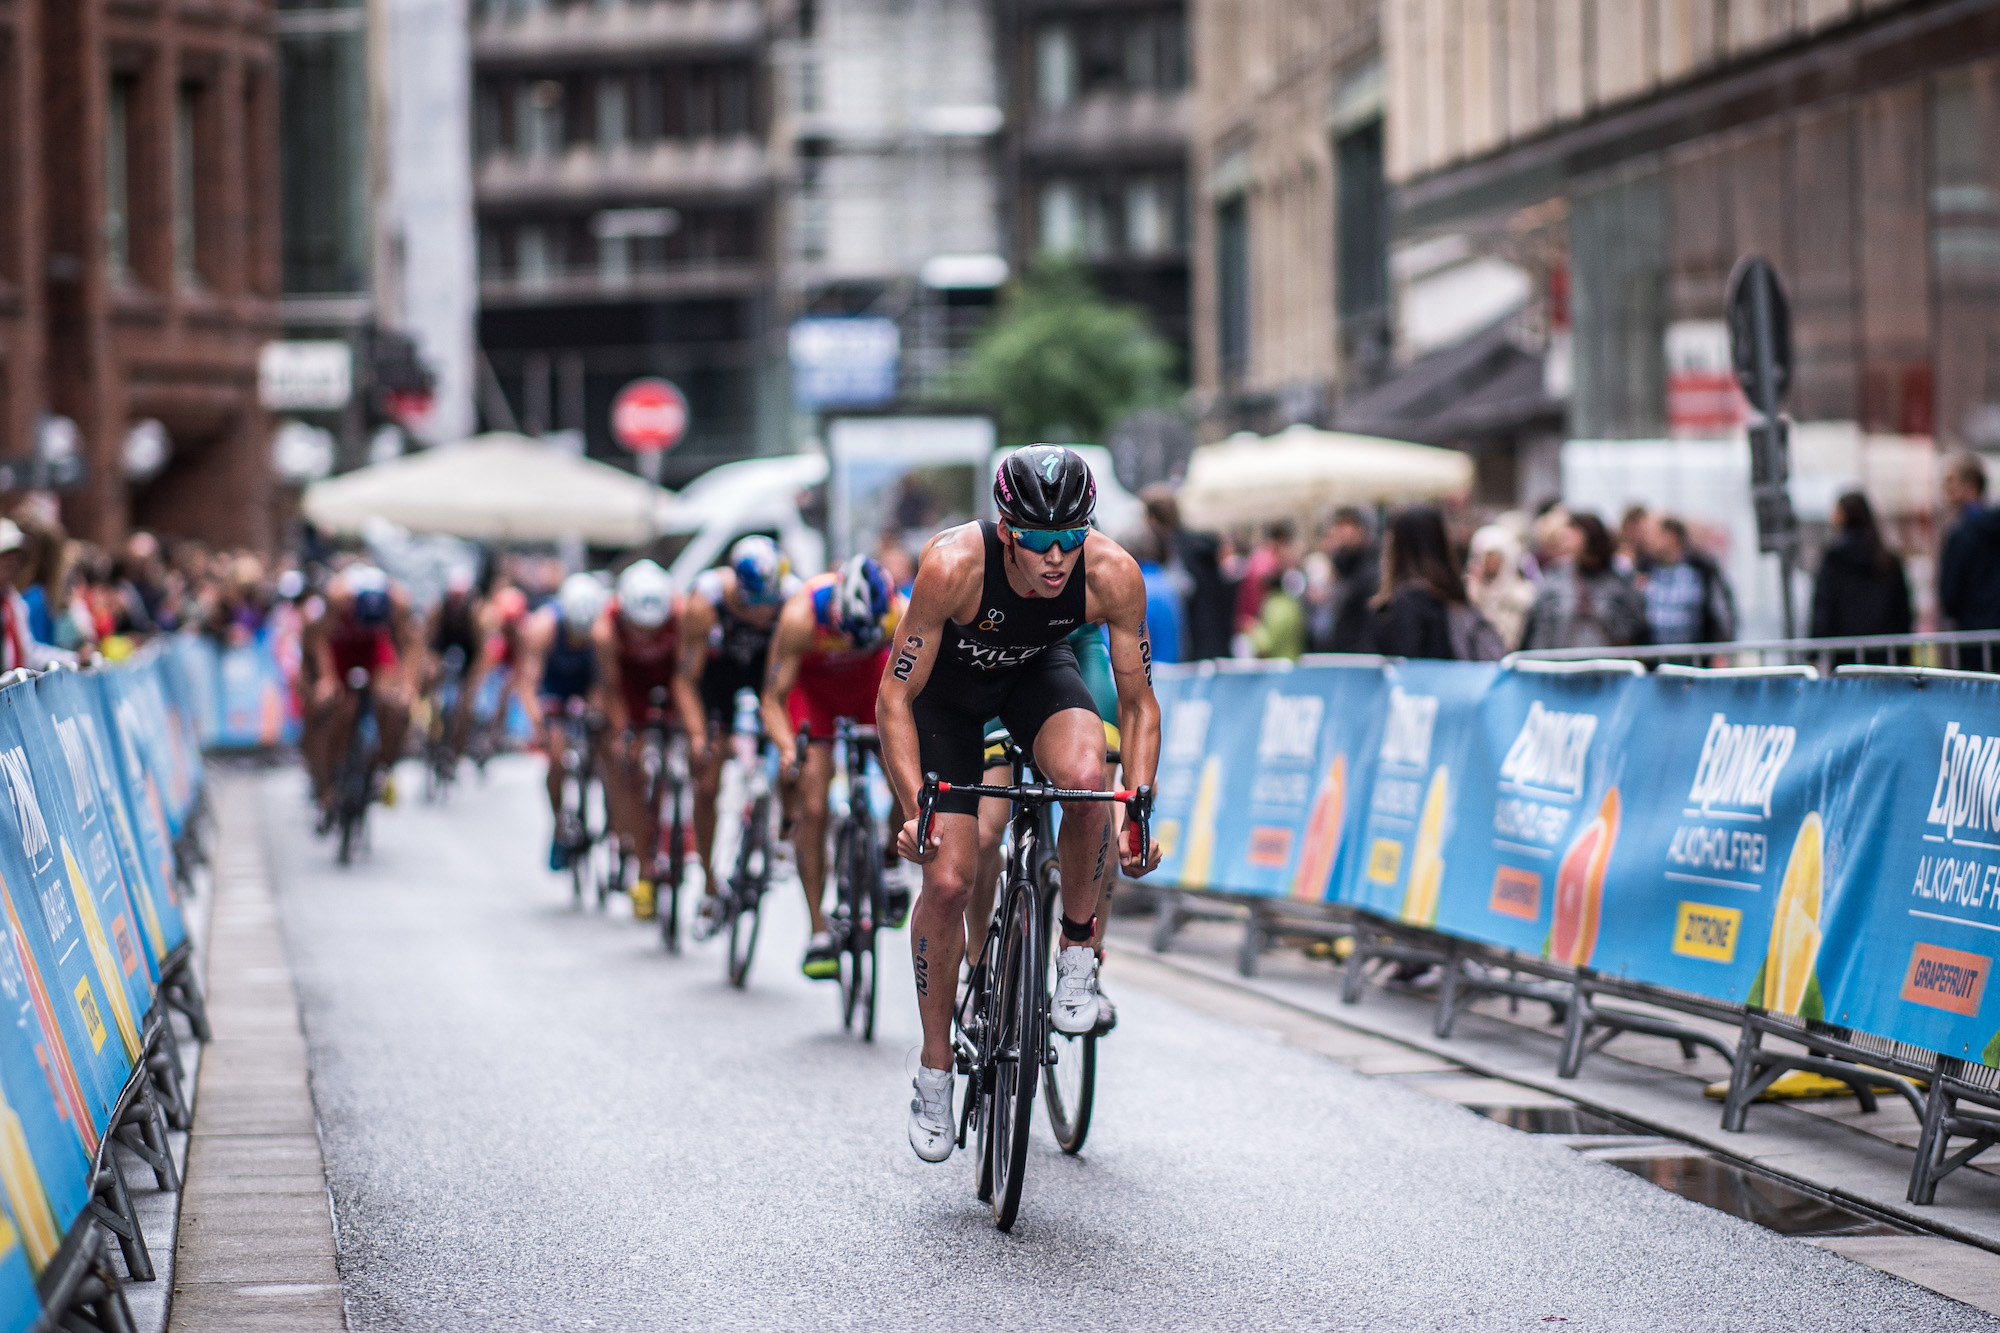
{"x":743,"y":895}
{"x":860,"y":908}
{"x":1001,"y":1035}
{"x":576,"y":760}
{"x":663,"y":763}
{"x":354,"y":784}
{"x":440,"y":740}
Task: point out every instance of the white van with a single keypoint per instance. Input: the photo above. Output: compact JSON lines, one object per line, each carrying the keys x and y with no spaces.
{"x":737,"y":499}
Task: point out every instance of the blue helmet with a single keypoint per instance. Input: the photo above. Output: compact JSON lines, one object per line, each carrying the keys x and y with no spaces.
{"x":861,"y":600}
{"x":370,"y":588}
{"x":761,"y":569}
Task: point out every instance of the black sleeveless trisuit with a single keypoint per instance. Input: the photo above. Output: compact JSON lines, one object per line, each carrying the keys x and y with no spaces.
{"x":1010,"y":662}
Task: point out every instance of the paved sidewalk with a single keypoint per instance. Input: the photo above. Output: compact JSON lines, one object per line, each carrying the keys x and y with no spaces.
{"x":255,"y":1249}
{"x":1830,"y":1145}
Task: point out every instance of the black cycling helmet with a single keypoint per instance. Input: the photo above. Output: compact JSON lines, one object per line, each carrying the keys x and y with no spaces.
{"x":1045,"y":486}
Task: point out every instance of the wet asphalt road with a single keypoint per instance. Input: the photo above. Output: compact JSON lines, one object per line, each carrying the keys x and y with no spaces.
{"x":534,"y":1119}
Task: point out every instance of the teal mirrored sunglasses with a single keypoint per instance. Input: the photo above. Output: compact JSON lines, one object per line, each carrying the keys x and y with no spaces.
{"x":1039,"y":540}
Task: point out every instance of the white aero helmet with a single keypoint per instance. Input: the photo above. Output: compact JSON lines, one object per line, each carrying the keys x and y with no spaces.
{"x":645,"y":594}
{"x":581,"y":600}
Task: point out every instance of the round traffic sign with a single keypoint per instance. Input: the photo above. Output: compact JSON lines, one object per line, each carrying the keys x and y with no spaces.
{"x":649,"y":416}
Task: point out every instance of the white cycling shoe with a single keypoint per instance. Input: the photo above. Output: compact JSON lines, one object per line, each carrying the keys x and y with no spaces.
{"x":1074,"y":1008}
{"x":932,"y":1133}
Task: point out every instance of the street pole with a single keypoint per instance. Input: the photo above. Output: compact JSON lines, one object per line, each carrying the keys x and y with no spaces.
{"x":1767,"y":404}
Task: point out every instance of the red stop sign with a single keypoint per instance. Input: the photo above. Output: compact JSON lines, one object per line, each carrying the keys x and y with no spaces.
{"x":649,"y":416}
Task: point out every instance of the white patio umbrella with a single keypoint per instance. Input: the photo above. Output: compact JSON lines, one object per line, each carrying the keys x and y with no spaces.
{"x":1300,"y":471}
{"x":497,"y":487}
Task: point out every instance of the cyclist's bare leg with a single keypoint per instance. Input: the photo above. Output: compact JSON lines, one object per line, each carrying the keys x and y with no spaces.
{"x":1070,"y":753}
{"x":937,"y":930}
{"x":462,"y":708}
{"x":993,"y":814}
{"x":552,"y":743}
{"x":707,"y":776}
{"x":625,"y":797}
{"x":392,"y":717}
{"x":809,"y":828}
{"x":335,"y":721}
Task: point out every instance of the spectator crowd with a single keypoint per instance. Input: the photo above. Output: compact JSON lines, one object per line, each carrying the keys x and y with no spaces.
{"x":1414,"y":581}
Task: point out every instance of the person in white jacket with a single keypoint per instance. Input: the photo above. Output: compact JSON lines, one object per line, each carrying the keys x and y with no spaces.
{"x":18,"y":645}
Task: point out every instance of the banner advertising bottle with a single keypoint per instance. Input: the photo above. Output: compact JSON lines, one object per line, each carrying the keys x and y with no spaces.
{"x":1539,"y":814}
{"x":1715,"y":884}
{"x":1276,"y":801}
{"x":1909,"y":923}
{"x":1430,"y":716}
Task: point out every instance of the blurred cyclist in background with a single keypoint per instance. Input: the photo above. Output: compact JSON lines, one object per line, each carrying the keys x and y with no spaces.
{"x":558,"y":666}
{"x":826,"y":664}
{"x":366,"y":628}
{"x":638,"y":647}
{"x":727,"y":623}
{"x":454,"y":627}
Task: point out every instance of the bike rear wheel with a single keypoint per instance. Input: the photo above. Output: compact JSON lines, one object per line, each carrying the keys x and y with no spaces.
{"x":1017,"y":1051}
{"x":1069,"y":1082}
{"x":668,"y":904}
{"x":746,"y":890}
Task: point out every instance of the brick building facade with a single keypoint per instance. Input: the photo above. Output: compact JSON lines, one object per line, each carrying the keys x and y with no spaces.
{"x":139,"y":254}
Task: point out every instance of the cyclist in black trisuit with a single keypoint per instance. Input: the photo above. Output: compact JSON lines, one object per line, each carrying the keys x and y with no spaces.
{"x":984,"y":637}
{"x":727,"y":623}
{"x":558,"y":663}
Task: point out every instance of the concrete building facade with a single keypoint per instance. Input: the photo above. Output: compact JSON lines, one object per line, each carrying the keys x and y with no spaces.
{"x":892,"y":115}
{"x":139,"y":264}
{"x":626,"y":178}
{"x":1290,"y":288}
{"x":1095,"y":161}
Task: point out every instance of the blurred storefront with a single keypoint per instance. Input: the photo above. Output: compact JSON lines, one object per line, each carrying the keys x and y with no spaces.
{"x":1855,"y":144}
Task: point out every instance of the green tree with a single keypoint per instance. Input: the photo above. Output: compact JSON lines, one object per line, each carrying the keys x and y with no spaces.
{"x":1060,"y":363}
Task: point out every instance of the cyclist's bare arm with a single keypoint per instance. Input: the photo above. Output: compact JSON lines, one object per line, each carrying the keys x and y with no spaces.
{"x":788,"y":650}
{"x":406,"y":629}
{"x":1115,"y":593}
{"x":536,"y":638}
{"x":950,"y":574}
{"x":697,"y":619}
{"x":604,"y":642}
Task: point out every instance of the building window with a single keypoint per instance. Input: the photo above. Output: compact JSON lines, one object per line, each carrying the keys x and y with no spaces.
{"x":809,"y":91}
{"x":1095,"y":215}
{"x":612,"y":123}
{"x":1232,"y":286}
{"x":538,"y":120}
{"x":532,"y":260}
{"x":117,"y":178}
{"x":323,"y":158}
{"x":1155,"y":219}
{"x":1361,"y":283}
{"x":187,"y":122}
{"x":1055,"y":67}
{"x":1061,"y":225}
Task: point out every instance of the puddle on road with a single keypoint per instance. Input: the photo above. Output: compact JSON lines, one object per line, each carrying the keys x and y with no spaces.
{"x":1545,"y":1119}
{"x":1769,"y":1202}
{"x":1687,"y":1171}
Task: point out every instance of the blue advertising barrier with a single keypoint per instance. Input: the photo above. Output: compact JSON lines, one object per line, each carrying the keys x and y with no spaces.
{"x":91,"y":764}
{"x":1823,"y":849}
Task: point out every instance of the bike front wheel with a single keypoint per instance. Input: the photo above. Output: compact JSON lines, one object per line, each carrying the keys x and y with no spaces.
{"x":1017,"y":1051}
{"x":1069,"y":1081}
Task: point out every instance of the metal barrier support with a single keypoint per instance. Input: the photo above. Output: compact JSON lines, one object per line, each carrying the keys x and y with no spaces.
{"x":1954,"y":1081}
{"x":1174,"y":908}
{"x":1830,"y":1051}
{"x":1273,"y":921}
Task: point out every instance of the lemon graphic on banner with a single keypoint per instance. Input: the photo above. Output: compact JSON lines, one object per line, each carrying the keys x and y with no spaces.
{"x":1787,"y":983}
{"x":100,"y":952}
{"x":27,"y":1197}
{"x":1322,"y":840}
{"x":1199,"y":863}
{"x":1420,"y":896}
